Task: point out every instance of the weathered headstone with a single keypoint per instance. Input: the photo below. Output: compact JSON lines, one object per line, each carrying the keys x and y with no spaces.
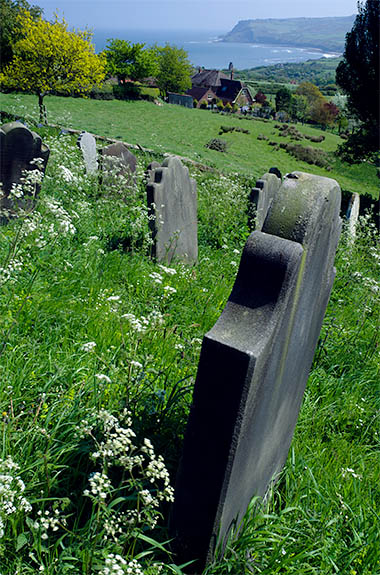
{"x":261,"y":198}
{"x":87,"y":144}
{"x":118,"y":160}
{"x":150,"y":170}
{"x":353,"y":215}
{"x":254,"y":366}
{"x":172,"y":202}
{"x":21,"y":151}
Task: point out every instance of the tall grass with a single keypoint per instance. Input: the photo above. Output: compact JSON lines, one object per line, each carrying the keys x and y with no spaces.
{"x":99,"y":351}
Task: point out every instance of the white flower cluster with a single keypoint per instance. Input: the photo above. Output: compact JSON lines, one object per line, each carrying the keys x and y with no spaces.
{"x":12,"y":488}
{"x":63,"y":218}
{"x":141,"y":324}
{"x":100,"y":485}
{"x":118,"y":448}
{"x":117,"y":565}
{"x":89,"y":346}
{"x":8,"y":273}
{"x":48,"y":521}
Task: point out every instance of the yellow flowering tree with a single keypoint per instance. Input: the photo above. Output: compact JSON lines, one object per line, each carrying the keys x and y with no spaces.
{"x":51,"y":57}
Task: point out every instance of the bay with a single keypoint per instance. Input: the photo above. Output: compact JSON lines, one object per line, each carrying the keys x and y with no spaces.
{"x":204,"y":49}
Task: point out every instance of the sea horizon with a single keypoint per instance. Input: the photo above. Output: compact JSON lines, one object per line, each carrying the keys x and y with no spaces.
{"x":205,"y":48}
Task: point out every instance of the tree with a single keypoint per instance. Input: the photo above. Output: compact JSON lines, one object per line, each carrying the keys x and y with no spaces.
{"x":283,"y":100}
{"x":315,"y":101}
{"x":358,"y":76}
{"x":50,"y":57}
{"x":260,"y":97}
{"x":10,"y":29}
{"x":126,"y":60}
{"x":299,"y":107}
{"x":173,"y":69}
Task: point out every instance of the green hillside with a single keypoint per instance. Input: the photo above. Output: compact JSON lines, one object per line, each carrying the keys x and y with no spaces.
{"x":320,"y":33}
{"x":320,"y":72}
{"x":183,"y":131}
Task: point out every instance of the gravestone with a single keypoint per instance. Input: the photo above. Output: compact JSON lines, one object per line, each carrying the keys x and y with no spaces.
{"x":261,"y":198}
{"x":150,"y":170}
{"x":117,"y":159}
{"x":87,"y":144}
{"x":254,"y":366}
{"x":172,"y":203}
{"x":21,"y":151}
{"x":353,"y":215}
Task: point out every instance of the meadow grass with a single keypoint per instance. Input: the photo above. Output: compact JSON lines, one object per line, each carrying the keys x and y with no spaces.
{"x":178,"y":130}
{"x":92,"y":327}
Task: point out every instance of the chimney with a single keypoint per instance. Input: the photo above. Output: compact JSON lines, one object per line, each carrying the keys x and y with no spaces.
{"x":231,"y":69}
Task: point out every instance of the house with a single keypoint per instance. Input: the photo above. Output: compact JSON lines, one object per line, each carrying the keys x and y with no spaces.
{"x":213,"y":85}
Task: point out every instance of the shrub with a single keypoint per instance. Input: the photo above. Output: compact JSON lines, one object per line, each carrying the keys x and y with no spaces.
{"x":195,"y":103}
{"x":315,"y":139}
{"x":217,"y":144}
{"x":308,"y":154}
{"x":228,"y":107}
{"x":262,"y":137}
{"x":103,"y":92}
{"x":203,"y":105}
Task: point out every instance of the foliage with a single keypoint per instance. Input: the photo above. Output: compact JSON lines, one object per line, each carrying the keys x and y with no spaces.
{"x":10,"y":28}
{"x":298,"y":108}
{"x":50,"y":57}
{"x":308,"y":154}
{"x":283,"y":100}
{"x":260,"y":97}
{"x":173,"y":69}
{"x":320,"y":72}
{"x":217,"y":144}
{"x":126,"y":60}
{"x":358,"y":76}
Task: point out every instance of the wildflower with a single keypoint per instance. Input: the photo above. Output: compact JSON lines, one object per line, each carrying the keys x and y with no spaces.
{"x":156,"y":277}
{"x":89,"y":346}
{"x":170,"y":290}
{"x":169,"y":271}
{"x":136,"y":364}
{"x":103,"y":377}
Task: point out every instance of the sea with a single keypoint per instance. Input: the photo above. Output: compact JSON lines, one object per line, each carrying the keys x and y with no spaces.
{"x":205,"y":49}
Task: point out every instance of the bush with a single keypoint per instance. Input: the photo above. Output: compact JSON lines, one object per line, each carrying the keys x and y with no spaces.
{"x":315,"y":139}
{"x":228,"y":107}
{"x":103,"y":92}
{"x":217,"y":144}
{"x":308,"y":154}
{"x":203,"y":105}
{"x":262,"y":137}
{"x":195,"y":103}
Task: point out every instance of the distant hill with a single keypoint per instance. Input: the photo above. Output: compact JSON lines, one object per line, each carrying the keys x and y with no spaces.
{"x":327,"y":34}
{"x":320,"y":72}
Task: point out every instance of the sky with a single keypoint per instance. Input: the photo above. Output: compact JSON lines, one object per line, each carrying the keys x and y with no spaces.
{"x":221,"y":15}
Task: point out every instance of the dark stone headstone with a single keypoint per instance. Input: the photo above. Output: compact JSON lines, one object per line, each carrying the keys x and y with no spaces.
{"x":87,"y":144}
{"x":116,"y":158}
{"x":20,"y":148}
{"x":254,"y":366}
{"x":261,"y":198}
{"x":172,"y":202}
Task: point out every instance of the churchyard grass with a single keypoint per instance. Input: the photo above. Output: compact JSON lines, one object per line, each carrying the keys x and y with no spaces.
{"x":91,"y":326}
{"x":175,"y":129}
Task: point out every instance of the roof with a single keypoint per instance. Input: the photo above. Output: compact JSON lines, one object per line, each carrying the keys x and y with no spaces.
{"x":229,"y":89}
{"x":209,"y":78}
{"x":198,"y":92}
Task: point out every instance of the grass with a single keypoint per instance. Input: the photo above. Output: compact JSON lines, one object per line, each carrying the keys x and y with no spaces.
{"x":89,"y":330}
{"x":178,"y":130}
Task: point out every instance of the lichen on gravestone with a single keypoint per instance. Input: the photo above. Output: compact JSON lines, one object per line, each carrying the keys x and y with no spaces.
{"x":253,"y":367}
{"x":172,"y":204}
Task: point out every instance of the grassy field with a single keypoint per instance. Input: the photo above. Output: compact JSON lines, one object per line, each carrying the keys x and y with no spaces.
{"x":178,"y":130}
{"x":91,"y":326}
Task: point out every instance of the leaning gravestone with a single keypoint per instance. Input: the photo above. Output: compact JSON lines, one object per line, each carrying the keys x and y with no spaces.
{"x":21,"y":151}
{"x":117,"y":159}
{"x":353,"y":215}
{"x":254,"y":366}
{"x":261,"y":198}
{"x":87,"y":144}
{"x":172,"y":203}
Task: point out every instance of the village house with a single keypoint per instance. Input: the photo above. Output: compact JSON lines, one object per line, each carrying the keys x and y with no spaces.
{"x":213,"y":85}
